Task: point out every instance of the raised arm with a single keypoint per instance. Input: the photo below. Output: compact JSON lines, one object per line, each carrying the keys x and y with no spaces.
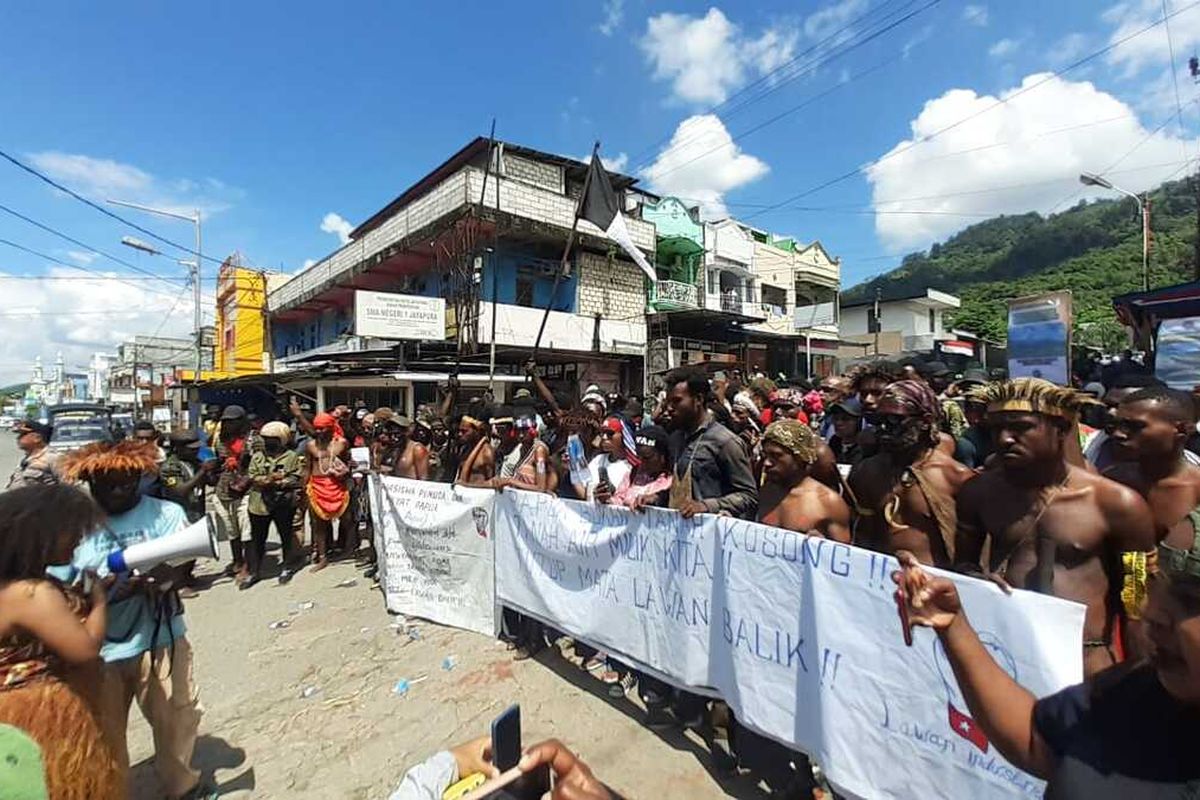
{"x":1002,"y":707}
{"x":302,"y":422}
{"x":542,"y":389}
{"x":449,"y":398}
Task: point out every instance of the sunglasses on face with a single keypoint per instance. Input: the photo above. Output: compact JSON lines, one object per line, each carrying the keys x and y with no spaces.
{"x":889,"y":421}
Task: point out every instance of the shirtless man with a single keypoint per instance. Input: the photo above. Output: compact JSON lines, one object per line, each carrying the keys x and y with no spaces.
{"x":905,"y":495}
{"x":1053,"y":527}
{"x":325,"y":462}
{"x":790,"y":497}
{"x":403,"y":457}
{"x":477,"y":459}
{"x":1148,"y":436}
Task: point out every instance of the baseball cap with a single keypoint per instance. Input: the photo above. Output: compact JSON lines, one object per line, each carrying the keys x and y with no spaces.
{"x":233,"y":412}
{"x":186,"y":437}
{"x":851,"y":405}
{"x":33,"y":426}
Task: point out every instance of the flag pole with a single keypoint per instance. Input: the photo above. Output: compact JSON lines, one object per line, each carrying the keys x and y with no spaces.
{"x":562,"y":264}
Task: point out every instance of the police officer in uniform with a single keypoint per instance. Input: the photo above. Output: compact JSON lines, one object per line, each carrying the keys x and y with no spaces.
{"x":181,"y":480}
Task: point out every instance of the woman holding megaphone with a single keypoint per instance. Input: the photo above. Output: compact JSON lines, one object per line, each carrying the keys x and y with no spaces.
{"x":50,"y":638}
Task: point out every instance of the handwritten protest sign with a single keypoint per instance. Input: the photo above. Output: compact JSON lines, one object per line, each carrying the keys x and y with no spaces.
{"x":798,"y":634}
{"x":435,"y":548}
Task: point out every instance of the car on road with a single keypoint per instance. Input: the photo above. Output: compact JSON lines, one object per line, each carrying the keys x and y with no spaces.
{"x":77,"y":424}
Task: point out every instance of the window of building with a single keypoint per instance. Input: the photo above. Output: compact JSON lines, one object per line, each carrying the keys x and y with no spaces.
{"x":524,"y":291}
{"x":932,"y":321}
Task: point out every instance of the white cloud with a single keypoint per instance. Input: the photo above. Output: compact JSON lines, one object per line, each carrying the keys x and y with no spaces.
{"x":1150,"y":48}
{"x":831,"y":19}
{"x":706,"y":58}
{"x":101,"y":179}
{"x":1037,"y":172}
{"x":335,"y":224}
{"x":975,"y":15}
{"x":614,"y":12}
{"x":308,"y":262}
{"x":110,"y":312}
{"x":1004,"y":48}
{"x":82,"y":257}
{"x":1069,"y":48}
{"x":702,"y":163}
{"x":617,"y":163}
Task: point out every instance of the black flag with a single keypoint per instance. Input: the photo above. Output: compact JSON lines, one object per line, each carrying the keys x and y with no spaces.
{"x":601,"y":209}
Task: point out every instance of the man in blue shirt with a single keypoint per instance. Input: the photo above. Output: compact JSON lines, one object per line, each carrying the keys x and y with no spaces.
{"x":146,"y":653}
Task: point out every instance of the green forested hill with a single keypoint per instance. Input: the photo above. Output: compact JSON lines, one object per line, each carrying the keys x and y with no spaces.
{"x":1094,"y":249}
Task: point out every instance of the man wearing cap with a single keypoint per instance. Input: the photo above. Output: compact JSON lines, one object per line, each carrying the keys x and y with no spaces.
{"x":182,"y":476}
{"x":845,"y":420}
{"x":230,"y":506}
{"x":38,"y":466}
{"x":275,"y":473}
{"x":833,"y":389}
{"x":939,"y":377}
{"x":1053,"y":527}
{"x":181,"y":480}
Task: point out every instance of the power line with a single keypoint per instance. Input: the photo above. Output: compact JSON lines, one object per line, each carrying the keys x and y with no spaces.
{"x":41,"y":176}
{"x":826,"y":59}
{"x":963,"y":120}
{"x":75,"y":241}
{"x":1174,"y":77}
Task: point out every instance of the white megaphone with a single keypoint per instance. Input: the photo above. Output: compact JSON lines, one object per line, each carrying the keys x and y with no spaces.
{"x":197,"y":539}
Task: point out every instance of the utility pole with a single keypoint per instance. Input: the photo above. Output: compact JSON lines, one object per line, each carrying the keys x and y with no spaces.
{"x":1146,"y":243}
{"x":194,"y":218}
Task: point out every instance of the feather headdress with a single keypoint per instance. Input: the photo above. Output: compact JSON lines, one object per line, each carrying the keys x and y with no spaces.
{"x":127,"y":456}
{"x":1032,"y":395}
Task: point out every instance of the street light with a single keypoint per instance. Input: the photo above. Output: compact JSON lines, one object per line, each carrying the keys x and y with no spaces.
{"x":138,"y":244}
{"x":1143,"y":204}
{"x":193,"y":218}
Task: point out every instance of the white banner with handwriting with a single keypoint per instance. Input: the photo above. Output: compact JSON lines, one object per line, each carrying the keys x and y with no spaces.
{"x":798,"y":634}
{"x":435,"y":551}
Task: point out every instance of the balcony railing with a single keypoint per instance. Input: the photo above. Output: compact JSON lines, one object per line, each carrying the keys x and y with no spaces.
{"x":675,"y":293}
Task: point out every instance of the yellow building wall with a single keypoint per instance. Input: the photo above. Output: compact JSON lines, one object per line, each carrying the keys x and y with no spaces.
{"x":241,"y":326}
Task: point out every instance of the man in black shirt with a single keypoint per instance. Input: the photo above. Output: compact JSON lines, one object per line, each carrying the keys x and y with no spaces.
{"x":1128,"y":732}
{"x":712,"y":468}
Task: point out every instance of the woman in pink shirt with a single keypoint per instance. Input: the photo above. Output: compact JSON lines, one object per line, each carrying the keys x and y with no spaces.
{"x":651,"y":479}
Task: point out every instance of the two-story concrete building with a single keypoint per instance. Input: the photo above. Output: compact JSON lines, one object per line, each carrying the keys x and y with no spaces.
{"x":485,"y":230}
{"x":913,"y":323}
{"x":731,"y":295}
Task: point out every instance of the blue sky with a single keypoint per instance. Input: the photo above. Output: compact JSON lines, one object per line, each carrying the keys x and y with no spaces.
{"x":271,"y":117}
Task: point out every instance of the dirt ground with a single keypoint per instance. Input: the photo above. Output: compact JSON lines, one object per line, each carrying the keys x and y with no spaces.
{"x":352,"y":736}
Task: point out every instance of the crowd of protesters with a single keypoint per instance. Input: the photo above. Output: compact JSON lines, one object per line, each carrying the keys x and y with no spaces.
{"x":1068,"y":491}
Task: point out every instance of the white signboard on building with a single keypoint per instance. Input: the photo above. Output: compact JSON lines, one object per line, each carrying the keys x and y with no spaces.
{"x":386,"y":315}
